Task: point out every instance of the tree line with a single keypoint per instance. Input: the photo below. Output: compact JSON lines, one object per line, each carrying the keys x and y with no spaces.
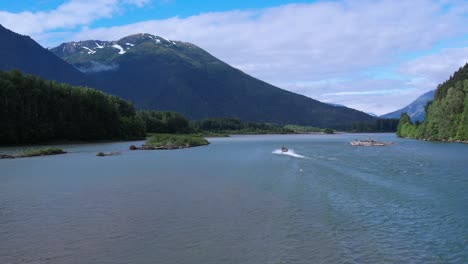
{"x":235,"y":125}
{"x":33,"y":110}
{"x":378,"y":126}
{"x":446,"y":116}
{"x":164,"y":122}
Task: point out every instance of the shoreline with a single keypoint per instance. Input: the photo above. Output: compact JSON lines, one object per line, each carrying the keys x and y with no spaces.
{"x":65,"y":142}
{"x":438,"y":140}
{"x":61,"y":143}
{"x":34,"y":153}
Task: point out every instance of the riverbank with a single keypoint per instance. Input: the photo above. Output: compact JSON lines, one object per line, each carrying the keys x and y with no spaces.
{"x":438,"y":140}
{"x":34,"y":153}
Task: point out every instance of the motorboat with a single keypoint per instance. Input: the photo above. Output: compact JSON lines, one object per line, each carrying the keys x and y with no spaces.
{"x":369,"y":143}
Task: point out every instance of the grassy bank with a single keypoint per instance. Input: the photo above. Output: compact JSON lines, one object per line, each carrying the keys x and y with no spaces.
{"x":34,"y":153}
{"x":41,"y":152}
{"x":174,"y":141}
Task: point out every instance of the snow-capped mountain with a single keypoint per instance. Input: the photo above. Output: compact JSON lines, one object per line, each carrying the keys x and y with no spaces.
{"x":98,"y":47}
{"x":96,"y":55}
{"x":157,"y":73}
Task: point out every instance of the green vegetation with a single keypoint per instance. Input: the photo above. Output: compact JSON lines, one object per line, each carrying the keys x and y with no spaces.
{"x":308,"y":129}
{"x":211,"y":134}
{"x":164,"y":122}
{"x":227,"y":126}
{"x":174,"y":141}
{"x":378,"y":126}
{"x":41,"y":152}
{"x":33,"y":110}
{"x":446,"y":116}
{"x":303,"y":129}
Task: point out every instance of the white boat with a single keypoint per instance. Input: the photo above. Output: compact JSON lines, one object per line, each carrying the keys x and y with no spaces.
{"x":369,"y":143}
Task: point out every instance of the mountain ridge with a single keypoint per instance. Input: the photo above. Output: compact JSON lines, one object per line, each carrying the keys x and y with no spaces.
{"x":415,"y":110}
{"x":18,"y":52}
{"x":160,"y":74}
{"x":179,"y":76}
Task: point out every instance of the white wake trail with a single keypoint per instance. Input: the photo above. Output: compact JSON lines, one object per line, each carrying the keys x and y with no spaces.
{"x":290,"y":152}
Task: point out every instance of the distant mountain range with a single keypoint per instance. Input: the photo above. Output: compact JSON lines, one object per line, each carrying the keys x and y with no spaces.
{"x":415,"y":110}
{"x":156,"y":73}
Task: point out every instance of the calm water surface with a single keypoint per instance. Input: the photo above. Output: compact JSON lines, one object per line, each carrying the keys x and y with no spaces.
{"x":239,"y":201}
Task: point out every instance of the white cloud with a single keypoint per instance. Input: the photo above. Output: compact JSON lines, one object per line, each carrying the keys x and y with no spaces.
{"x":436,"y":67}
{"x":139,"y":3}
{"x":321,"y":49}
{"x":378,"y":96}
{"x":68,"y":15}
{"x":307,"y":40}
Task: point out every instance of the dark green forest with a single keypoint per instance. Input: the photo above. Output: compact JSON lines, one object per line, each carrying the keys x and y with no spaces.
{"x":236,"y":126}
{"x":378,"y":126}
{"x":33,"y":110}
{"x":446,"y":116}
{"x":164,"y":122}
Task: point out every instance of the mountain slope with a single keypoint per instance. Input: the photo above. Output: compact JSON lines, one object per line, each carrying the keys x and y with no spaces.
{"x":24,"y":54}
{"x":447,"y":116}
{"x":156,"y":73}
{"x":415,"y":110}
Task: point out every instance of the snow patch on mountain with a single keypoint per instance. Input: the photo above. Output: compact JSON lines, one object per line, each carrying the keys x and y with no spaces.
{"x":121,"y":50}
{"x":90,"y":51}
{"x":99,"y":46}
{"x":165,"y":39}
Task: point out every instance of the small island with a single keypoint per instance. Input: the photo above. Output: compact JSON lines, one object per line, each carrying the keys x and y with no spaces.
{"x":35,"y":153}
{"x":171,"y":141}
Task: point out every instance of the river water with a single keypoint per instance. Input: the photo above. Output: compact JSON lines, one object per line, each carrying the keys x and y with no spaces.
{"x":239,"y":200}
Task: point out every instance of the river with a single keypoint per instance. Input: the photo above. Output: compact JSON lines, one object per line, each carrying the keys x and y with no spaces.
{"x":239,"y":200}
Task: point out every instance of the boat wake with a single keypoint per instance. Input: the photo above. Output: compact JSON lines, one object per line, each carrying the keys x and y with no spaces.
{"x":290,"y":152}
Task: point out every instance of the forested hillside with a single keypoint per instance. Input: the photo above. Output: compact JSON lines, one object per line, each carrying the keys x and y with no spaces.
{"x":446,"y":116}
{"x":24,"y":54}
{"x":33,"y":110}
{"x":164,"y":75}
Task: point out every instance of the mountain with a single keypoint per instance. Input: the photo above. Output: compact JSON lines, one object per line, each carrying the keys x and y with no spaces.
{"x":161,"y":74}
{"x":415,"y":110}
{"x":447,"y":116}
{"x":23,"y":53}
{"x":337,"y":105}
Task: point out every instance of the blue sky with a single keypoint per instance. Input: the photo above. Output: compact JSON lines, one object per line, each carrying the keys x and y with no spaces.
{"x":375,"y":56}
{"x":159,"y":9}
